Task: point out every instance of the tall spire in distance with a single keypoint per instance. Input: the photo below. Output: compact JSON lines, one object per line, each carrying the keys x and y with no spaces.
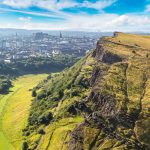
{"x":61,"y":35}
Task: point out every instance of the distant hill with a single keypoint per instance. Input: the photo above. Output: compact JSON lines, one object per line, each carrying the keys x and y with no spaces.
{"x":101,"y":103}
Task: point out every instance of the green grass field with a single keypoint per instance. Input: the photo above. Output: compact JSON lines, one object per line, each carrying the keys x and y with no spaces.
{"x":14,"y":109}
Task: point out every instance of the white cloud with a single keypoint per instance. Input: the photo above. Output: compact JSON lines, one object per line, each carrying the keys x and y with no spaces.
{"x":147,"y":8}
{"x":46,"y":4}
{"x":25,"y":19}
{"x":55,"y":5}
{"x":120,"y":20}
{"x":18,"y":3}
{"x":30,"y":12}
{"x":100,"y":4}
{"x":102,"y":22}
{"x":66,"y":4}
{"x":130,"y":20}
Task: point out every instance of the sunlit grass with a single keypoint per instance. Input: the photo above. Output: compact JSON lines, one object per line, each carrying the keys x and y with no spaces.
{"x":16,"y":107}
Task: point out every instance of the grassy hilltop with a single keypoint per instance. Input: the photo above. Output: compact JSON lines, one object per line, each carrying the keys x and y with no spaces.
{"x":102,"y":102}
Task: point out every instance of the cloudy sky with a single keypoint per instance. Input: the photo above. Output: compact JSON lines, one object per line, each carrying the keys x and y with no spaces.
{"x":85,"y":15}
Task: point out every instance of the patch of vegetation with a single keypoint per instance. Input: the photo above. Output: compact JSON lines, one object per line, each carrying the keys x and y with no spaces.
{"x":60,"y":100}
{"x":9,"y":71}
{"x":5,"y":84}
{"x":37,"y":65}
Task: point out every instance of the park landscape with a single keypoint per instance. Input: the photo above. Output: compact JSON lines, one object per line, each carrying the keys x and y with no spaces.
{"x":74,"y":74}
{"x":14,"y":110}
{"x":101,"y":102}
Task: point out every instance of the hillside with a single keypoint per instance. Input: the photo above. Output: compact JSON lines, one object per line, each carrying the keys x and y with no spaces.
{"x":102,"y":102}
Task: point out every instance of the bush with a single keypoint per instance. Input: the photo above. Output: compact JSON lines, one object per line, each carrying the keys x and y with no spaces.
{"x":25,"y":146}
{"x":74,"y":93}
{"x":72,"y":110}
{"x":41,"y":95}
{"x":5,"y":85}
{"x":41,"y":131}
{"x":26,"y":133}
{"x":45,"y":119}
{"x":61,"y":93}
{"x":34,"y":93}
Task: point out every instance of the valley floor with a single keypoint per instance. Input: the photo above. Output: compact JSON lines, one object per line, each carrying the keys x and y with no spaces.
{"x":14,"y":109}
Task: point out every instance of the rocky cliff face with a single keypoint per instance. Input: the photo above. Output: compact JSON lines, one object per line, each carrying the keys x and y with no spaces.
{"x":116,"y":110}
{"x":101,"y":53}
{"x":109,"y":92}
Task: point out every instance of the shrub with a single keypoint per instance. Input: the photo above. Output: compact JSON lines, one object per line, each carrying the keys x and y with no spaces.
{"x":72,"y":110}
{"x":25,"y":146}
{"x":61,"y":93}
{"x":41,"y":131}
{"x":41,"y":95}
{"x":74,"y":93}
{"x":45,"y":118}
{"x":5,"y":85}
{"x":34,"y":93}
{"x":26,"y":133}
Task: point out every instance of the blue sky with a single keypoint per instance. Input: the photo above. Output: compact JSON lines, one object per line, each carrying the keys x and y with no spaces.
{"x":85,"y":15}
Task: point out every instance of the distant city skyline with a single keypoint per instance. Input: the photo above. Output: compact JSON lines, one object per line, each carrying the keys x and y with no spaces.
{"x":40,"y":44}
{"x":77,"y":15}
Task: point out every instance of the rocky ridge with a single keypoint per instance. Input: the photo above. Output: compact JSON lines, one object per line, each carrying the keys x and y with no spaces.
{"x":108,"y":90}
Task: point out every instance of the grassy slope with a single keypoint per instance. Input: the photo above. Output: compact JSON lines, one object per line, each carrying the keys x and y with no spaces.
{"x":58,"y":132}
{"x":131,"y":84}
{"x":14,"y":108}
{"x":70,"y":77}
{"x":4,"y":143}
{"x":128,"y":81}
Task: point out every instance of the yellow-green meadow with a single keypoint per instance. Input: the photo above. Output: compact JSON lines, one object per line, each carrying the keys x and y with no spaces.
{"x":14,"y":110}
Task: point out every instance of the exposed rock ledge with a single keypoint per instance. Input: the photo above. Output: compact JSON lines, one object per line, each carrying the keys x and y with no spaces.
{"x":101,"y":54}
